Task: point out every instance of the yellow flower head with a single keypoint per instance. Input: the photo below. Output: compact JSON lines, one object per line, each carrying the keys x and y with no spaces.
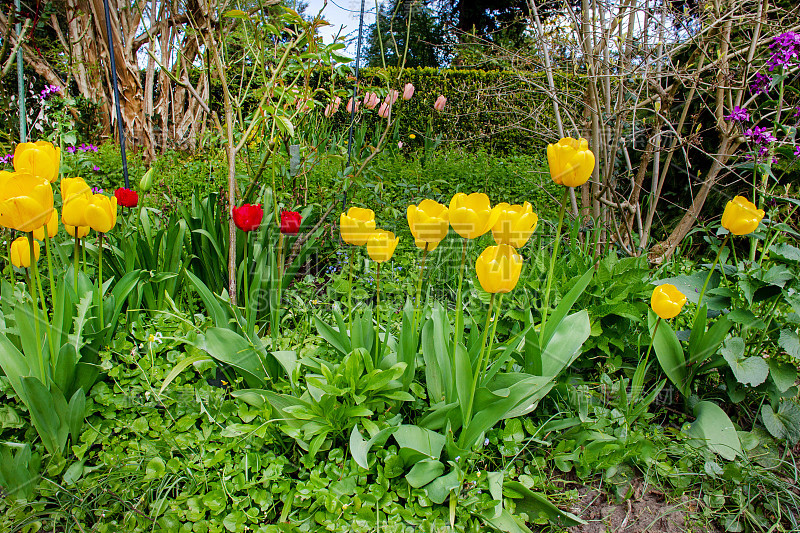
{"x":498,"y":268}
{"x":26,"y":201}
{"x":515,"y":224}
{"x":471,"y":215}
{"x":75,"y":196}
{"x":357,"y":225}
{"x":429,"y":222}
{"x":51,"y":226}
{"x":571,"y":162}
{"x":101,"y":213}
{"x":741,"y":216}
{"x":412,"y":136}
{"x":381,"y":245}
{"x":41,"y":159}
{"x":82,"y":231}
{"x":21,"y":252}
{"x":667,"y":301}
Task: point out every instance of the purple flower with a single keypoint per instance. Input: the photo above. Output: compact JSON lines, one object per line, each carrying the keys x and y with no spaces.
{"x":760,"y":83}
{"x":96,"y":168}
{"x":48,"y":91}
{"x":797,"y":150}
{"x":97,"y":190}
{"x":760,"y":136}
{"x":6,"y":158}
{"x":70,"y":149}
{"x":739,"y":114}
{"x":785,"y":50}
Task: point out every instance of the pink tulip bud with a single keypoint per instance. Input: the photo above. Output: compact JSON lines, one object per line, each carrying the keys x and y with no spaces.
{"x":400,"y":145}
{"x":383,"y":111}
{"x":391,"y":98}
{"x":408,"y":91}
{"x":371,"y":100}
{"x":440,"y":103}
{"x":349,"y":106}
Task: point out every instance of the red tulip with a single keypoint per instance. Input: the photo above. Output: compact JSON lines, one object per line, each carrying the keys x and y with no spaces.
{"x":248,"y":217}
{"x":290,"y":222}
{"x":126,"y":197}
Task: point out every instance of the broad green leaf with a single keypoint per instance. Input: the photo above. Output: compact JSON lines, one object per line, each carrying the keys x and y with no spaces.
{"x":669,"y":353}
{"x":565,"y":342}
{"x":418,"y":443}
{"x":423,"y":472}
{"x":564,"y":306}
{"x":789,"y":341}
{"x":359,"y":448}
{"x":463,"y":378}
{"x":783,"y":374}
{"x":784,"y":424}
{"x":751,"y":371}
{"x":231,"y":348}
{"x":534,"y":505}
{"x":439,"y":489}
{"x":180,"y":367}
{"x":713,"y":429}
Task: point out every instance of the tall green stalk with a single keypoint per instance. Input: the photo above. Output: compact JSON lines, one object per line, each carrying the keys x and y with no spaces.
{"x":100,"y":281}
{"x":417,"y":302}
{"x":546,"y":305}
{"x":32,"y":290}
{"x":710,"y":273}
{"x":459,"y":333}
{"x":75,"y":257}
{"x":49,"y":266}
{"x":479,"y":366}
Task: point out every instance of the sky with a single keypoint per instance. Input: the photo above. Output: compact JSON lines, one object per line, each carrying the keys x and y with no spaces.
{"x":343,"y":15}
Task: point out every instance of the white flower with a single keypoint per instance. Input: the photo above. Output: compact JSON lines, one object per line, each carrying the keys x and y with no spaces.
{"x":156,"y":338}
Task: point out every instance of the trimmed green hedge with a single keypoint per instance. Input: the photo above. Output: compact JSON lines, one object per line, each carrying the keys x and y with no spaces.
{"x":498,"y":111}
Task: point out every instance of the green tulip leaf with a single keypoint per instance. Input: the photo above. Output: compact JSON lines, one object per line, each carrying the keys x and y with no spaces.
{"x":713,"y":429}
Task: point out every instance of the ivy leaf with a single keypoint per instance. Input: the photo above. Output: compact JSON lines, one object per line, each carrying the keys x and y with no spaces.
{"x":751,"y":371}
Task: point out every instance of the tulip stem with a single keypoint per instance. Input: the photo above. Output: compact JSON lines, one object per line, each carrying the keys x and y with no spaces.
{"x":710,"y":273}
{"x":350,"y":291}
{"x":494,"y":328}
{"x":246,"y":274}
{"x":638,"y":379}
{"x":100,"y":280}
{"x":419,"y":285}
{"x":556,"y":243}
{"x":32,"y":288}
{"x":378,"y":314}
{"x":8,"y":234}
{"x":459,"y":305}
{"x":478,"y":367}
{"x":277,"y":313}
{"x":49,"y":267}
{"x":75,"y":258}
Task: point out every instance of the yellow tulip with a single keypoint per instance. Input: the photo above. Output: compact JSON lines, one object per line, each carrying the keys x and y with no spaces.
{"x":52,"y":227}
{"x":26,"y":201}
{"x":429,"y":223}
{"x":515,"y":224}
{"x":101,"y":213}
{"x":571,"y":162}
{"x":741,"y":216}
{"x":75,"y":196}
{"x":381,"y":245}
{"x":21,"y":252}
{"x":82,"y":231}
{"x":41,"y":159}
{"x":471,"y":215}
{"x":357,"y":225}
{"x":667,"y":301}
{"x":498,"y":268}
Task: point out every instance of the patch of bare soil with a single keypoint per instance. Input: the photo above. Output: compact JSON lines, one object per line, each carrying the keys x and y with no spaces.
{"x":648,"y":511}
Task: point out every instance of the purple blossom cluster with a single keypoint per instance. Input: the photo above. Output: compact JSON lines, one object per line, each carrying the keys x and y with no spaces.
{"x":760,"y":83}
{"x":82,"y":148}
{"x":785,"y":50}
{"x":761,"y":138}
{"x":97,"y":190}
{"x":6,"y":159}
{"x":797,"y":150}
{"x":48,"y":91}
{"x":739,"y":114}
